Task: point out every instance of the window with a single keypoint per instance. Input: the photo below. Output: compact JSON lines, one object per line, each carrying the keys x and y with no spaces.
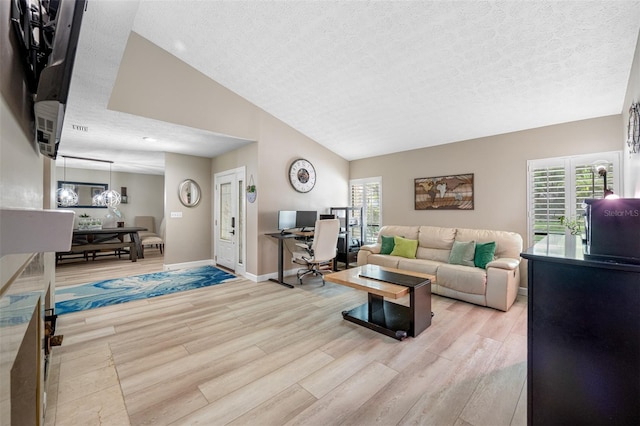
{"x":557,"y":187}
{"x":367,"y":193}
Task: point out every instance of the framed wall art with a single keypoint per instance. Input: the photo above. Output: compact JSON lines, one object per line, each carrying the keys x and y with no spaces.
{"x":453,"y":192}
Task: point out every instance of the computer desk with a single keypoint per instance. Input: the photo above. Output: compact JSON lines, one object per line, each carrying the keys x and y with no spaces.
{"x":281,"y":237}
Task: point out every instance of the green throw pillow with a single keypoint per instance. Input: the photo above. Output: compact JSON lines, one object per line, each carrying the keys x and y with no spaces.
{"x":462,"y":253}
{"x":387,"y":245}
{"x":484,"y":254}
{"x":404,"y":247}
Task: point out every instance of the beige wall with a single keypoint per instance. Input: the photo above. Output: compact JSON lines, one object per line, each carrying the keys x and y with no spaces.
{"x":145,"y":192}
{"x":195,"y":100}
{"x":631,"y":162}
{"x":268,"y":161}
{"x":279,"y":145}
{"x":188,"y":97}
{"x":188,"y":239}
{"x":499,"y":165}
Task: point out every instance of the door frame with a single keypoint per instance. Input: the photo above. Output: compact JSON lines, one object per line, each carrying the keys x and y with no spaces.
{"x":239,"y":181}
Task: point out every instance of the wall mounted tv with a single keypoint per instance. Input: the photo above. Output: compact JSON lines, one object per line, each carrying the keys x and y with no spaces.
{"x":47,"y":32}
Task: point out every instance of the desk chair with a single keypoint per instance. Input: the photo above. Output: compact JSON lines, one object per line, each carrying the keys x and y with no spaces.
{"x":321,"y":252}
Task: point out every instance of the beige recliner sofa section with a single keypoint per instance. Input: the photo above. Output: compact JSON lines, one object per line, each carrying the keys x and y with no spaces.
{"x":495,"y":287}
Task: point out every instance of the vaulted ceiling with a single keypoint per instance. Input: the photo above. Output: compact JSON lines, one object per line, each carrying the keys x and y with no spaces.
{"x":361,"y":78}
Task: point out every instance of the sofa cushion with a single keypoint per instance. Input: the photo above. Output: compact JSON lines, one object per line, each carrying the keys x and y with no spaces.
{"x":383,"y":260}
{"x":484,"y":254}
{"x":424,"y":266}
{"x":404,"y":247}
{"x":435,"y":243}
{"x":410,"y":232}
{"x":387,"y":245}
{"x":462,"y":278}
{"x":462,"y":253}
{"x":508,"y":244}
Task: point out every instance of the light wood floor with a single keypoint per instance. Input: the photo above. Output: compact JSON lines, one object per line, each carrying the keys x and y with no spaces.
{"x":246,"y":353}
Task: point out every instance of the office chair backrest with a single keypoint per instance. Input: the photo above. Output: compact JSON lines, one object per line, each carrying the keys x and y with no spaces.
{"x":325,"y":239}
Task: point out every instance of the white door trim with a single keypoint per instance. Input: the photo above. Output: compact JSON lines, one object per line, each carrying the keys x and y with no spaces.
{"x":239,"y":175}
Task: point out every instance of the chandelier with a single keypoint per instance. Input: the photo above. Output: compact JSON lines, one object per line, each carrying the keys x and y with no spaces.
{"x":108,"y":198}
{"x":65,"y":195}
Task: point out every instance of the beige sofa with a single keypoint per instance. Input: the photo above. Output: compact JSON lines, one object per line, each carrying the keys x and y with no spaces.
{"x":495,"y":286}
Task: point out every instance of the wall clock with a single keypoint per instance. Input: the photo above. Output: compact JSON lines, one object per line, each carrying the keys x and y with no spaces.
{"x":302,"y":175}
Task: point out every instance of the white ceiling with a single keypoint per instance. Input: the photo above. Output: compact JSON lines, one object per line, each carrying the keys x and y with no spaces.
{"x":361,"y":78}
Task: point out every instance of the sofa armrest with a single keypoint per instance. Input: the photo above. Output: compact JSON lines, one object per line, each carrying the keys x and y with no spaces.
{"x":373,"y":248}
{"x":504,"y":263}
{"x":365,"y":251}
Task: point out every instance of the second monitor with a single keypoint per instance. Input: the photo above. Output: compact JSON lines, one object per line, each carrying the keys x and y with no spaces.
{"x":306,"y":219}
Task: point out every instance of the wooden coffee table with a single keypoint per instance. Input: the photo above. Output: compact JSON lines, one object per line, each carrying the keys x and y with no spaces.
{"x":385,"y":317}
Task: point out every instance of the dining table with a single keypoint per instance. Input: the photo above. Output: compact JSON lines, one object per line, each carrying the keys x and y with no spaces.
{"x":91,"y":240}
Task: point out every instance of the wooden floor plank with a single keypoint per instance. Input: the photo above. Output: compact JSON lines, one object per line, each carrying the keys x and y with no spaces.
{"x":246,"y":353}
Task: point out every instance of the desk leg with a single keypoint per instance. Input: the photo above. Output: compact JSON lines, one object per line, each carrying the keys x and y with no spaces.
{"x":280,"y":279}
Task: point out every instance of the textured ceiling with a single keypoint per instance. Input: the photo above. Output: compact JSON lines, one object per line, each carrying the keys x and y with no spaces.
{"x":361,"y":78}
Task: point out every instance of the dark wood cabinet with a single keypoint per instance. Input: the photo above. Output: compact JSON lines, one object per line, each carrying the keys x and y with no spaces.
{"x":583,"y":337}
{"x":351,"y":231}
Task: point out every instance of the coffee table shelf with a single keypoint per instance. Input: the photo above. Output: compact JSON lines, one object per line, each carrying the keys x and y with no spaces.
{"x":388,"y":318}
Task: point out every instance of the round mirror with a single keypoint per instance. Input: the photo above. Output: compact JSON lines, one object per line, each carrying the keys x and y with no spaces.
{"x":189,"y":193}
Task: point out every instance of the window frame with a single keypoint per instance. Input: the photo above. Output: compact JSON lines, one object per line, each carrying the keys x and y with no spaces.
{"x":365,"y":208}
{"x":570,"y":164}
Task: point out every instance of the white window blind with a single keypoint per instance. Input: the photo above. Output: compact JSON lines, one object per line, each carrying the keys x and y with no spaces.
{"x":367,"y":193}
{"x":557,"y":187}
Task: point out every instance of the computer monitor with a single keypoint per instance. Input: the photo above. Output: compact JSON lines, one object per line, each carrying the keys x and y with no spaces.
{"x":306,"y":219}
{"x":286,"y":220}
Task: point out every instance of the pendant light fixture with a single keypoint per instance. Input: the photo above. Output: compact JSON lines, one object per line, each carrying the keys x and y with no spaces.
{"x":65,"y":195}
{"x":108,"y":198}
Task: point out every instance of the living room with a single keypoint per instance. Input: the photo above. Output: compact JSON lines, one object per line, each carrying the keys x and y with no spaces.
{"x":498,"y":162}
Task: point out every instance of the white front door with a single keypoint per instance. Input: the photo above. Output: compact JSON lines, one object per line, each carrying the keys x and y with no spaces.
{"x":229,"y":219}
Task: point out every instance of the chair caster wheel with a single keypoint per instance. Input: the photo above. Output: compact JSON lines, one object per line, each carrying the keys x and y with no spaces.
{"x":401,"y":334}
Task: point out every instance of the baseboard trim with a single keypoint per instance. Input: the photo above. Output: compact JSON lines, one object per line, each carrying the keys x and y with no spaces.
{"x":186,"y":265}
{"x":523,"y":291}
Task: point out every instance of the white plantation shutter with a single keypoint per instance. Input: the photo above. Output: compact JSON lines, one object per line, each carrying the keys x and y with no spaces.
{"x":367,"y":193}
{"x":558,"y":187}
{"x":548,"y":199}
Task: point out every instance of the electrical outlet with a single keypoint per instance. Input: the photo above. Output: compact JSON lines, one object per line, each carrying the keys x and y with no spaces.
{"x":176,"y":214}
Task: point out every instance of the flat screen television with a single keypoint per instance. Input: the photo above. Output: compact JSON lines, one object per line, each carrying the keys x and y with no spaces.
{"x":47,"y":33}
{"x":286,"y":220}
{"x":306,"y":219}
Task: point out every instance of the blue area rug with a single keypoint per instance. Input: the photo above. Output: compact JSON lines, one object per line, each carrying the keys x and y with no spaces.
{"x":121,"y":290}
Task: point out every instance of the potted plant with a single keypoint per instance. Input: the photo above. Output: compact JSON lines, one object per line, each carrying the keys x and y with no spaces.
{"x":251,"y":191}
{"x":571,"y":223}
